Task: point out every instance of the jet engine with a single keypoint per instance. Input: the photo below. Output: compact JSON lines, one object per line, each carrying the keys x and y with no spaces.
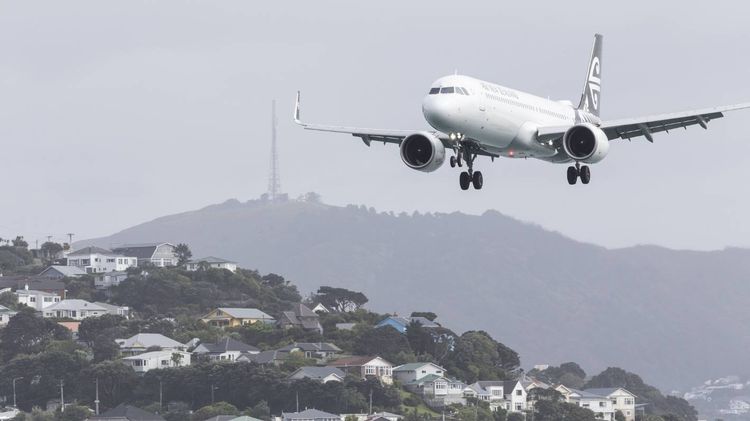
{"x":586,"y":143}
{"x":422,"y":151}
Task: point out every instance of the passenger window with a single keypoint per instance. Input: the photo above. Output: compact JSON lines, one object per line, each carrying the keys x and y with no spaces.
{"x":434,"y":91}
{"x":448,"y":90}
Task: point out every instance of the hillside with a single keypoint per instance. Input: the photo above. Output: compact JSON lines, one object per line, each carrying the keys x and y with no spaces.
{"x":677,"y":317}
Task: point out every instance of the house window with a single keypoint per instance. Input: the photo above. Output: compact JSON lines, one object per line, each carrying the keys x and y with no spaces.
{"x":519,"y":392}
{"x":370,"y":370}
{"x":602,"y":404}
{"x":440,"y":386}
{"x":628,"y":401}
{"x":496,"y":392}
{"x":585,"y":405}
{"x":32,"y":299}
{"x":164,"y":362}
{"x":519,"y":407}
{"x":47,"y":299}
{"x":614,"y":401}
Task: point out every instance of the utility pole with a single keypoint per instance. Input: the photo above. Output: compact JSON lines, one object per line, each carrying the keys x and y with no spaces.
{"x":62,"y":397}
{"x":213,"y":388}
{"x":70,"y":238}
{"x":297,"y":401}
{"x":14,"y":391}
{"x":96,"y":401}
{"x":161,"y":396}
{"x":370,"y":402}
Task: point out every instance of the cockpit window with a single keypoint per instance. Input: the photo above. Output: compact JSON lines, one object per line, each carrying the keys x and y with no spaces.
{"x":462,"y":90}
{"x":434,"y":91}
{"x":448,"y":90}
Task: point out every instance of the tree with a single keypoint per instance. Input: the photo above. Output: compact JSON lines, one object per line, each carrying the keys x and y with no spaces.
{"x":20,"y":242}
{"x":28,"y":334}
{"x":341,"y":299}
{"x":183,"y":253}
{"x":73,"y":413}
{"x":210,"y":411}
{"x":260,"y":411}
{"x":50,"y":250}
{"x":619,"y":416}
{"x":176,"y":358}
{"x":426,"y":314}
{"x":515,"y":416}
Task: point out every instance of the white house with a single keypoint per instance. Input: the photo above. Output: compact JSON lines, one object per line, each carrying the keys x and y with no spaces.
{"x":142,"y":363}
{"x":321,"y":351}
{"x":621,"y":400}
{"x":211,"y":262}
{"x":227,"y":349}
{"x":98,"y":260}
{"x":600,"y":405}
{"x":157,"y":254}
{"x":515,"y":395}
{"x":141,"y":342}
{"x":363,"y":367}
{"x":38,"y":300}
{"x":5,"y":315}
{"x":414,"y":371}
{"x":321,"y":374}
{"x":308,"y":415}
{"x":488,"y":391}
{"x":437,"y":390}
{"x":123,"y":311}
{"x":109,"y":279}
{"x":59,"y":272}
{"x":74,"y":309}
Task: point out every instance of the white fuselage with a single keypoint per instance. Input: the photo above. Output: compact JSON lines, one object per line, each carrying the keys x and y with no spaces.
{"x":503,"y":121}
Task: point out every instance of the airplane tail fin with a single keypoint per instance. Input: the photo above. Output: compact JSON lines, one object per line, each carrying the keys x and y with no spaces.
{"x":592,"y":90}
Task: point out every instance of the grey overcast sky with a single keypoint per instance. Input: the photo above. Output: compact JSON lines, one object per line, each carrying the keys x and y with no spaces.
{"x":114,"y":113}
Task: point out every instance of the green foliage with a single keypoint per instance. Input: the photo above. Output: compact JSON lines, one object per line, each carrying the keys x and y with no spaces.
{"x":50,"y":250}
{"x":14,"y":258}
{"x":555,"y":411}
{"x":83,"y":288}
{"x":473,"y":413}
{"x":210,"y":411}
{"x":426,"y":314}
{"x":569,"y":374}
{"x":385,"y":342}
{"x":477,"y":356}
{"x":260,"y":411}
{"x":659,"y":404}
{"x":9,"y":300}
{"x":340,"y":299}
{"x":619,"y":416}
{"x":183,"y":253}
{"x":28,"y":334}
{"x":73,"y":413}
{"x":515,"y":416}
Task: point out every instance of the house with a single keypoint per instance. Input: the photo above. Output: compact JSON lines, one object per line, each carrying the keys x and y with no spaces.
{"x":489,"y":391}
{"x":154,"y":360}
{"x":142,"y":342}
{"x":72,"y":327}
{"x":211,"y":262}
{"x":73,"y":309}
{"x":600,"y":405}
{"x":109,"y":279}
{"x":97,"y":260}
{"x":233,"y":317}
{"x":38,"y":300}
{"x":227,"y":349}
{"x":319,"y":351}
{"x":115,"y":310}
{"x":124,"y":412}
{"x":321,"y":374}
{"x":364,"y":366}
{"x":438,"y":391}
{"x":345,"y":326}
{"x":301,"y":317}
{"x":402,"y":323}
{"x":320,"y":308}
{"x":157,"y":254}
{"x":308,"y":415}
{"x":274,"y":357}
{"x":411,"y":372}
{"x":232,"y":418}
{"x":59,"y":272}
{"x":515,"y":396}
{"x":5,"y":315}
{"x":621,"y":400}
{"x":14,"y":283}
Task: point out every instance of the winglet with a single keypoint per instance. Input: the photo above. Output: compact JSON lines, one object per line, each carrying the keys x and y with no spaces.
{"x":296,"y":111}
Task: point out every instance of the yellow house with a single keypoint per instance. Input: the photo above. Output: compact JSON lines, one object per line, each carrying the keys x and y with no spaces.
{"x":233,"y":317}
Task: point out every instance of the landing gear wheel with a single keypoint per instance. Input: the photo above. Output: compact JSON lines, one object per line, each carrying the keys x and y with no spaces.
{"x":585,"y":174}
{"x":459,"y":161}
{"x":453,"y":162}
{"x":464,"y":180}
{"x":572,"y":175}
{"x":477,"y":180}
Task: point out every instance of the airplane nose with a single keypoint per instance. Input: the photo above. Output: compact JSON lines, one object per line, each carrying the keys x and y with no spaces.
{"x":439,"y":112}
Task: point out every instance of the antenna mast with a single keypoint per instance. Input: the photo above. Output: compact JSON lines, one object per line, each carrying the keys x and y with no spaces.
{"x":274,"y":180}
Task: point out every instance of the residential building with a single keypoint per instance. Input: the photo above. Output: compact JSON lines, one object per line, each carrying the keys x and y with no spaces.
{"x":73,"y":309}
{"x":489,"y":391}
{"x":142,"y":342}
{"x":411,"y":372}
{"x":319,"y":351}
{"x":14,"y":283}
{"x":124,"y":412}
{"x":345,"y":326}
{"x":157,"y":254}
{"x":109,"y":279}
{"x":72,"y":327}
{"x":211,"y":262}
{"x":308,"y":415}
{"x":319,"y":308}
{"x":123,"y":311}
{"x":438,"y":391}
{"x":600,"y":405}
{"x":38,"y":300}
{"x":515,"y":396}
{"x":273,"y":357}
{"x":97,"y":260}
{"x":621,"y":400}
{"x":227,"y":349}
{"x":321,"y":374}
{"x":5,"y":315}
{"x":233,"y":317}
{"x":301,"y":317}
{"x":59,"y":272}
{"x":364,"y":366}
{"x":232,"y":418}
{"x":154,"y":360}
{"x":402,"y":323}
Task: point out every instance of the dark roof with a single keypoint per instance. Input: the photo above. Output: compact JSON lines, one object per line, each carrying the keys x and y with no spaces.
{"x":267,"y":357}
{"x":141,"y":251}
{"x":308,"y":414}
{"x":313,"y":347}
{"x":127,"y":412}
{"x":34,"y":282}
{"x":318,"y":372}
{"x":91,"y":250}
{"x":229,"y":344}
{"x":210,"y":259}
{"x":302,"y":316}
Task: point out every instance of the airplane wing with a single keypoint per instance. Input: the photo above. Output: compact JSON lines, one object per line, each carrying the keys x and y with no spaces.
{"x":381,"y":135}
{"x":647,"y":126}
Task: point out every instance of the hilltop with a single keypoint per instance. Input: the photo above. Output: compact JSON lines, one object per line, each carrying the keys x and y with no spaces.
{"x":676,"y":316}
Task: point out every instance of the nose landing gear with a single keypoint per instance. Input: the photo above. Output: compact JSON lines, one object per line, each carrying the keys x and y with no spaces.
{"x":578,"y":171}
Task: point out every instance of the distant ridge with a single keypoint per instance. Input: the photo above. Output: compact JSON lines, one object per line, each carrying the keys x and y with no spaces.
{"x":676,"y":317}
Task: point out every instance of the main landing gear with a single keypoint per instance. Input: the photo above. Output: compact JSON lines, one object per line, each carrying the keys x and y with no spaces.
{"x":574,"y":172}
{"x":470,"y":177}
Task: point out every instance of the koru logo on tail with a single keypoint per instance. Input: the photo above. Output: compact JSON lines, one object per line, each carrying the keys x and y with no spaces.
{"x":595,"y":83}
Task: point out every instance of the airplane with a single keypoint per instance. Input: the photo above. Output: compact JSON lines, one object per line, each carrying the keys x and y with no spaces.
{"x":474,"y":118}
